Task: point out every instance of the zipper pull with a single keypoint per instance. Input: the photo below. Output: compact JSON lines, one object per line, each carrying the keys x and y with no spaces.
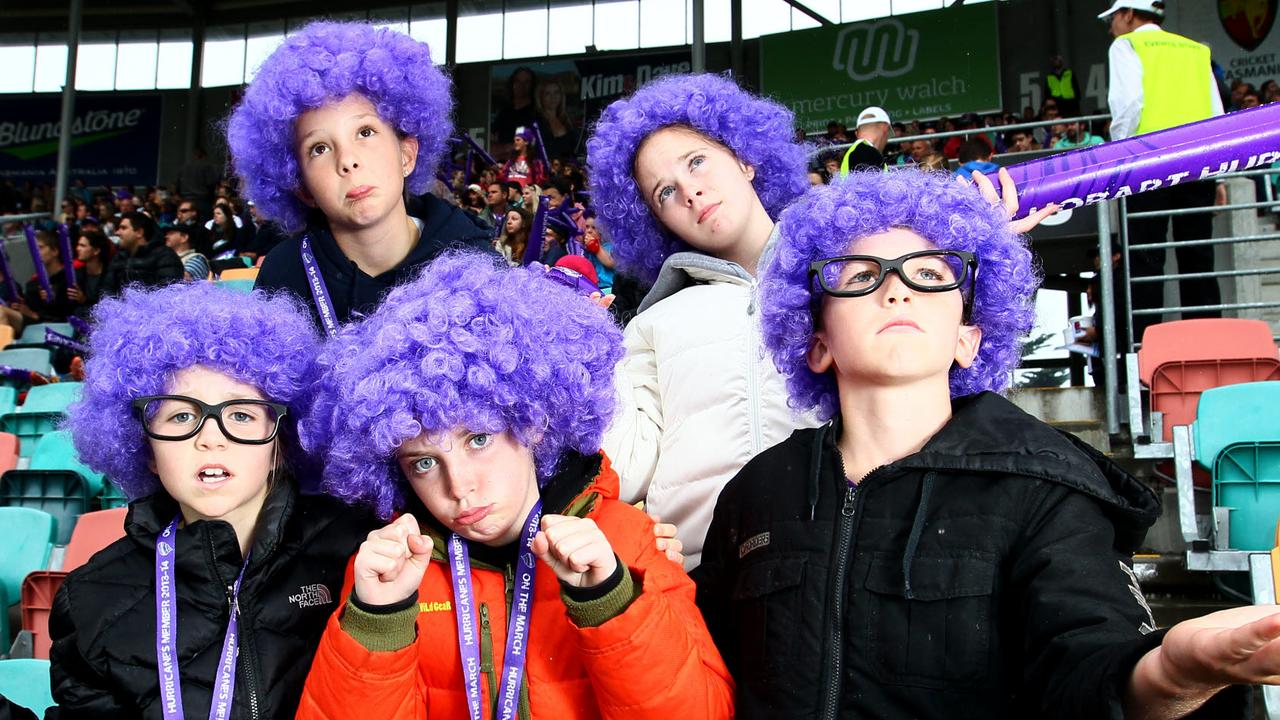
{"x":847,"y":509}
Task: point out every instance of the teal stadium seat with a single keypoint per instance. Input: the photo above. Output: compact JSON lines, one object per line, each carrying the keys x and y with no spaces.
{"x":8,"y":399}
{"x":25,"y":682}
{"x":28,"y":541}
{"x":1237,"y":437}
{"x":36,"y":359}
{"x":111,"y":496}
{"x":56,"y":482}
{"x":34,"y":334}
{"x":44,"y":408}
{"x":241,"y":286}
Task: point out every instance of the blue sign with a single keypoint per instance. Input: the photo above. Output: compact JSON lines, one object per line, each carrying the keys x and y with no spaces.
{"x":115,"y":139}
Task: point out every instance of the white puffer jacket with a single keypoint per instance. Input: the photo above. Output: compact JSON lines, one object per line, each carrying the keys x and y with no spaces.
{"x":698,"y":395}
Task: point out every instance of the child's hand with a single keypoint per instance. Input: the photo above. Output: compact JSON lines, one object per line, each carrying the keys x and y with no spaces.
{"x":667,"y":542}
{"x":1228,"y":647}
{"x":576,"y":549}
{"x":391,"y":562}
{"x":1008,"y":197}
{"x":603,"y":301}
{"x":75,"y":294}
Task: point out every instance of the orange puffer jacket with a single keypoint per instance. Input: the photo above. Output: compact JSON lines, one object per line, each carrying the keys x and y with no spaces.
{"x":655,"y":659}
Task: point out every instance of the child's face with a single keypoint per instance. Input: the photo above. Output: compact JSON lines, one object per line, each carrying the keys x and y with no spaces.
{"x":236,"y":494}
{"x":530,"y":197}
{"x":514,"y":221}
{"x":479,"y":485}
{"x":895,"y":335}
{"x":353,"y":165}
{"x":696,"y":188}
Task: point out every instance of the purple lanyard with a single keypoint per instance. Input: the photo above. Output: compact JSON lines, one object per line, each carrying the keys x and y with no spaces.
{"x":517,"y":627}
{"x":319,"y":292}
{"x":167,"y":636}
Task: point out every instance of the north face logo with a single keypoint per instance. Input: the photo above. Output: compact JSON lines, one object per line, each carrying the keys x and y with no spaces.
{"x":311,"y":596}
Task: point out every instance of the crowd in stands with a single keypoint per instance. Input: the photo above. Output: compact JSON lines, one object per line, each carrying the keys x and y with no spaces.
{"x":124,"y":234}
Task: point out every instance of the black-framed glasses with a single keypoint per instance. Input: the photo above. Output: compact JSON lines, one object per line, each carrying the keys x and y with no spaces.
{"x":178,"y":417}
{"x":923,"y":271}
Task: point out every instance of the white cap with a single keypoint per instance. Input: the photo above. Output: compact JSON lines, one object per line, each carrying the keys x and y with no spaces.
{"x":870,"y":115}
{"x":1155,"y":7}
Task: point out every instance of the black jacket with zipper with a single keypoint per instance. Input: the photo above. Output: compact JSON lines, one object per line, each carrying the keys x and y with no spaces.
{"x":985,"y":576}
{"x":352,"y":291}
{"x":103,"y":625}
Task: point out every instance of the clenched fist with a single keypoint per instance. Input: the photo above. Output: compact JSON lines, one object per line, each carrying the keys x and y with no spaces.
{"x":576,"y":549}
{"x":391,"y":562}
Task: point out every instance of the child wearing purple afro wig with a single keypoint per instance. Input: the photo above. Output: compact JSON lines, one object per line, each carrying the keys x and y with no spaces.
{"x":932,"y":551}
{"x":472,"y":402}
{"x":189,"y":405}
{"x":688,"y":175}
{"x":337,"y":138}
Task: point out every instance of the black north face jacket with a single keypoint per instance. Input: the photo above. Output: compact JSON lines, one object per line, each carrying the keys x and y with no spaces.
{"x":986,"y":576}
{"x":103,"y":624}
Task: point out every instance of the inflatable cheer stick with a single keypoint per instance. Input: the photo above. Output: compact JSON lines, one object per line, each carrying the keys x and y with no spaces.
{"x":42,"y":273}
{"x":1202,"y":150}
{"x":68,"y":254}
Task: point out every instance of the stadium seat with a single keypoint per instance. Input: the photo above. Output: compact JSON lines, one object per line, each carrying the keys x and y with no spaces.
{"x":93,"y":532}
{"x":63,"y":493}
{"x":249,"y":273}
{"x":243,"y":286}
{"x":1179,"y":360}
{"x":38,"y":591}
{"x":8,"y":451}
{"x":25,"y":682}
{"x":34,"y":334}
{"x":34,"y":359}
{"x":1237,"y":437}
{"x":29,"y":536}
{"x":8,"y":399}
{"x":111,"y":496}
{"x":40,"y":413}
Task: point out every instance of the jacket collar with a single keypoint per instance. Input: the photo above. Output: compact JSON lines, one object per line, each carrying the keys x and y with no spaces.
{"x":149,"y":516}
{"x":989,"y":435}
{"x":439,"y":220}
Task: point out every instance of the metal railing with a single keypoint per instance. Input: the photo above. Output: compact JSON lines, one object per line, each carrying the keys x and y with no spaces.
{"x":1127,"y":249}
{"x":24,"y":217}
{"x":1107,"y":296}
{"x":971,"y":131}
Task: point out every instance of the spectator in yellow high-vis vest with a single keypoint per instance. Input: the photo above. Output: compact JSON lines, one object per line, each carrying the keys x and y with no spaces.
{"x":1062,"y":86}
{"x":1155,"y":83}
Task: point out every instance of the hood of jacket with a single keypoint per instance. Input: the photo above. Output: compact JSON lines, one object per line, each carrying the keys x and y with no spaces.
{"x":682,"y":269}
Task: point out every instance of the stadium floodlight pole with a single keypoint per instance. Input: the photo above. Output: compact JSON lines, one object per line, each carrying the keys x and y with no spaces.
{"x":62,"y":180}
{"x":699,"y":50}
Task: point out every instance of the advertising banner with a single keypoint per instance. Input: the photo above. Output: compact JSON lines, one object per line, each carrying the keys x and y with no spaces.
{"x":1241,"y":33}
{"x":916,"y":66}
{"x":566,"y":96}
{"x":115,"y":139}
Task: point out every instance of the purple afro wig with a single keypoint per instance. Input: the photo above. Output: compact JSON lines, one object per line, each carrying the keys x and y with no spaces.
{"x":141,"y":340}
{"x":828,"y":219}
{"x":469,"y":343}
{"x":758,"y":131}
{"x":325,"y":62}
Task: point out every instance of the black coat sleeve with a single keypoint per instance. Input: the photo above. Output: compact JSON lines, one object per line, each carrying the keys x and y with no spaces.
{"x":79,"y":689}
{"x":1084,"y":621}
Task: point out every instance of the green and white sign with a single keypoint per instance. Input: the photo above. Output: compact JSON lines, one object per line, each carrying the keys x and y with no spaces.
{"x":916,"y":66}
